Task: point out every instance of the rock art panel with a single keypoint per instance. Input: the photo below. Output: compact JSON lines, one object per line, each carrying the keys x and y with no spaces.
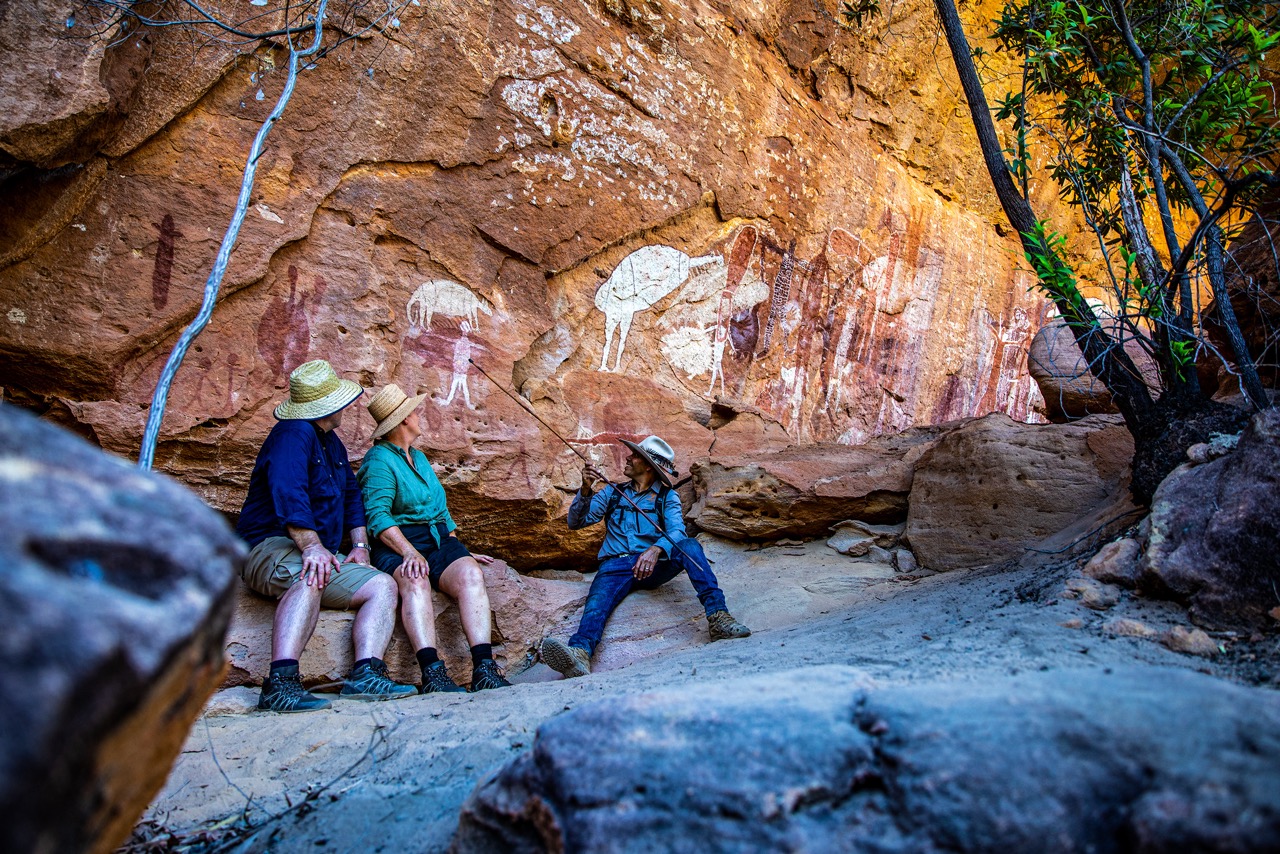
{"x":638,"y":283}
{"x":486,"y":180}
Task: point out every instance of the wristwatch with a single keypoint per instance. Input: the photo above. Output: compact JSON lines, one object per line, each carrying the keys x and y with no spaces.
{"x":359,"y":545}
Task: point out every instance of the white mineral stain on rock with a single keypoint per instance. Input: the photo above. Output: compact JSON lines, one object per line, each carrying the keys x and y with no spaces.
{"x":17,"y":315}
{"x":267,"y":214}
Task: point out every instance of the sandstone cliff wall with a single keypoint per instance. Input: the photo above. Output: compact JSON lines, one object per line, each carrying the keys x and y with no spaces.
{"x":643,"y":215}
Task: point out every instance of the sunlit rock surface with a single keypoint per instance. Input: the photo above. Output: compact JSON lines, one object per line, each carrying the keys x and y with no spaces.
{"x":633,"y":215}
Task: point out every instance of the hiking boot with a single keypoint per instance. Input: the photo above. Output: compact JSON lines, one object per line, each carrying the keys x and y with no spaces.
{"x":486,"y":675}
{"x":282,"y":691}
{"x":436,"y":680}
{"x":370,"y":682}
{"x":723,"y":626}
{"x":570,"y":661}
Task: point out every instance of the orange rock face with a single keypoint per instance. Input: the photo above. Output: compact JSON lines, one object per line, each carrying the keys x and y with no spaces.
{"x":637,"y":216}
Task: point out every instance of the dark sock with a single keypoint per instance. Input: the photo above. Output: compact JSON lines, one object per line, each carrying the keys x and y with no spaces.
{"x":283,"y":662}
{"x":480,"y":652}
{"x":427,"y":656}
{"x":357,"y":665}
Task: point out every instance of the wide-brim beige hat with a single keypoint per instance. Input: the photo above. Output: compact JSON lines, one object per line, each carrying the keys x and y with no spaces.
{"x":658,"y":454}
{"x":390,"y":406}
{"x":316,"y":391}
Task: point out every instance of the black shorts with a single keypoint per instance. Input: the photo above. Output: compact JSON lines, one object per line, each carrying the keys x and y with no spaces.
{"x":438,"y":558}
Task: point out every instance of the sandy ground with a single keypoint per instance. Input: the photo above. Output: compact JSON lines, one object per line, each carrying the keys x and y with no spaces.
{"x":391,"y":776}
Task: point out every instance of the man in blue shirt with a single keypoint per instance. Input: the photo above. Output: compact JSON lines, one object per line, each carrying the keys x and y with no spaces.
{"x":302,"y":496}
{"x":644,"y":547}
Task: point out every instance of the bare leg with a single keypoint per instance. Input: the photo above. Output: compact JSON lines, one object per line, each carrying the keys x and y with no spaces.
{"x":375,"y":616}
{"x":464,"y":581}
{"x":295,"y":621}
{"x":417,"y":610}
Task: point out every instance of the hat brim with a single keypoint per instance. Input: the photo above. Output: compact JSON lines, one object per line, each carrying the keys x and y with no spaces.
{"x":340,"y":398}
{"x":397,"y":415}
{"x":664,"y":474}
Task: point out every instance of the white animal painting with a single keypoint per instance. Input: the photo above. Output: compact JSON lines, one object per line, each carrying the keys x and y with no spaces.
{"x":441,"y":296}
{"x":644,"y":277}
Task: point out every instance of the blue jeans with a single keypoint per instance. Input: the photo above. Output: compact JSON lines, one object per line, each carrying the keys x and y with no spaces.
{"x":614,"y":581}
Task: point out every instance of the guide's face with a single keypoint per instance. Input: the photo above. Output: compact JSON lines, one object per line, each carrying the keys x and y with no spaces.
{"x":635,"y":466}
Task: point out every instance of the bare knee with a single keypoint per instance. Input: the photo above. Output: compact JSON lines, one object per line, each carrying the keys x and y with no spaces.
{"x":381,"y":588}
{"x":414,"y":588}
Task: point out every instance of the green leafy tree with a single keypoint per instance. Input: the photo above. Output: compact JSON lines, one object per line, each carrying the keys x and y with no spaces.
{"x":1153,"y":115}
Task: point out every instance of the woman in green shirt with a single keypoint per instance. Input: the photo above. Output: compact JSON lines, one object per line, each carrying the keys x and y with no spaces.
{"x":413,"y":540}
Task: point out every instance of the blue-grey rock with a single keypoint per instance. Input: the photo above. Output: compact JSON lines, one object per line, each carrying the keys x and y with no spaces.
{"x":117,"y":590}
{"x":1141,"y":759}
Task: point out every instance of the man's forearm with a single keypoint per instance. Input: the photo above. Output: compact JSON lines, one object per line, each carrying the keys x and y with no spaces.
{"x":303,"y":538}
{"x":359,"y":537}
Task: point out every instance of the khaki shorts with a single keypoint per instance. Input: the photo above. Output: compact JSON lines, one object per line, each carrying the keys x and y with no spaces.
{"x":275,"y":565}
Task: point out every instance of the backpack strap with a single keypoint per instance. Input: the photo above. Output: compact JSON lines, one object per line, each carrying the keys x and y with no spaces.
{"x":659,"y":504}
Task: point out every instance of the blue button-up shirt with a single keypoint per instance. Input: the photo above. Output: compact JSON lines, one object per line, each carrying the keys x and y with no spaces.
{"x":628,"y":531}
{"x":302,"y":478}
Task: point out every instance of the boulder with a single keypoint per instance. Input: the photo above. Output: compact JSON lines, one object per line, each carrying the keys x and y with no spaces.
{"x":118,"y":585}
{"x":987,"y":491}
{"x":803,"y":491}
{"x":821,"y":760}
{"x":522,"y":610}
{"x":1215,"y":536}
{"x":1069,"y":388}
{"x":1116,"y":563}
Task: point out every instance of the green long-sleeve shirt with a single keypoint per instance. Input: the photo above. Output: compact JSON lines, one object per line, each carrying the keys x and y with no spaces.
{"x":396,"y":493}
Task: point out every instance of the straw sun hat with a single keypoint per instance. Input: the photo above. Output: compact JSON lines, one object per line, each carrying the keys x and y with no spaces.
{"x":315,"y":391}
{"x":391,"y":406}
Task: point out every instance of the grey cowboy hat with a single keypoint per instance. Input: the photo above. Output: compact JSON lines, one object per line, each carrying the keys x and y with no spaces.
{"x":316,"y":391}
{"x":658,"y":455}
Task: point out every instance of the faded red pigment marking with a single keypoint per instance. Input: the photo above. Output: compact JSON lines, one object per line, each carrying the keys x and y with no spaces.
{"x":284,"y":334}
{"x":162,"y":275}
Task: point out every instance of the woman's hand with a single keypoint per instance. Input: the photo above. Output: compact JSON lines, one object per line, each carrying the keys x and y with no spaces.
{"x":415,"y":565}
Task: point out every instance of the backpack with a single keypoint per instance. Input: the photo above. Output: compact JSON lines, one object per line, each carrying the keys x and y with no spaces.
{"x":658,"y":505}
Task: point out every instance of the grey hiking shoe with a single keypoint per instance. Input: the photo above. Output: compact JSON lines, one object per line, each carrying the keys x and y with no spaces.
{"x":370,"y":682}
{"x":723,"y":626}
{"x":436,"y":680}
{"x":283,"y":692}
{"x":570,"y":661}
{"x":486,"y":675}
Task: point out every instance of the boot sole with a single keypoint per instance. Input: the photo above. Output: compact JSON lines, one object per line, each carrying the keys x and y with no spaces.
{"x":559,"y":658}
{"x":715,"y":638}
{"x":376,"y":698}
{"x":296,"y":711}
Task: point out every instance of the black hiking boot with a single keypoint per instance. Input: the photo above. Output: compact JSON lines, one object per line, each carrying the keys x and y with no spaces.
{"x":436,"y":680}
{"x":370,"y":682}
{"x":486,"y":675}
{"x":568,"y":661}
{"x":282,"y":691}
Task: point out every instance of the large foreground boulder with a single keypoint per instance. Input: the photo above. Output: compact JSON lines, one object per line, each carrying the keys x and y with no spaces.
{"x":1215,"y":533}
{"x":1140,"y":759}
{"x":117,"y":586}
{"x":988,"y":491}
